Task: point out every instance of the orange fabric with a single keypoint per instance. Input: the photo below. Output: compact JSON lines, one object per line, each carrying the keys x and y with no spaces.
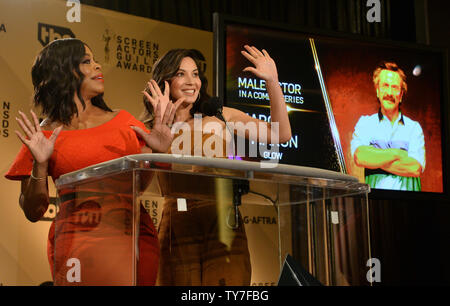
{"x":97,"y":231}
{"x":77,"y":149}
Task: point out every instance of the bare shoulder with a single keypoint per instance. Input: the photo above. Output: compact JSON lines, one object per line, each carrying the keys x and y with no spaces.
{"x":231,"y":113}
{"x":211,"y":119}
{"x":114,"y":113}
{"x":96,"y":117}
{"x":104,"y":113}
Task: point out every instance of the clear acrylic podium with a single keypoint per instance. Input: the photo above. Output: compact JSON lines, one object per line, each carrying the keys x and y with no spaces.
{"x":220,"y":222}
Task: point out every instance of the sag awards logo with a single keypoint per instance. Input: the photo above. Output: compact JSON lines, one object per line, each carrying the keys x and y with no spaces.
{"x":2,"y":27}
{"x":107,"y":37}
{"x":130,"y":53}
{"x":48,"y":33}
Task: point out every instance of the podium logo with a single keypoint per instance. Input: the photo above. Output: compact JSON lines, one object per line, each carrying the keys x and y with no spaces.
{"x":86,"y":216}
{"x":48,"y":33}
{"x":259,"y":220}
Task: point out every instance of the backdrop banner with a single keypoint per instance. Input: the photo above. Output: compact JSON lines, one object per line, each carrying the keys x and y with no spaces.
{"x":126,"y":46}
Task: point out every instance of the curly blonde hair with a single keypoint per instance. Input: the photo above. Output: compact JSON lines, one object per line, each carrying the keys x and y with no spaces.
{"x":391,"y":66}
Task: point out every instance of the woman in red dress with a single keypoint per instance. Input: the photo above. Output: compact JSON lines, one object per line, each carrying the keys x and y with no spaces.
{"x":80,"y":130}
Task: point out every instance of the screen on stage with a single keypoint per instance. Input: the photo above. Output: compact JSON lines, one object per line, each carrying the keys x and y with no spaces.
{"x":371,"y":109}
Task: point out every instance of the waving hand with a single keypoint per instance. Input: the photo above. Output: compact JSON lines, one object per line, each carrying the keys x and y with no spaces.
{"x":265,"y":67}
{"x":40,"y":146}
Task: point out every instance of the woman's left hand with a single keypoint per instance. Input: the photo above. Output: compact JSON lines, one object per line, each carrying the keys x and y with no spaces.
{"x":265,"y":67}
{"x":160,"y":137}
{"x":157,"y":97}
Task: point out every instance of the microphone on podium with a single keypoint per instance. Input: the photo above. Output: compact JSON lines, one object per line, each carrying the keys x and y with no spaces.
{"x":213,"y":107}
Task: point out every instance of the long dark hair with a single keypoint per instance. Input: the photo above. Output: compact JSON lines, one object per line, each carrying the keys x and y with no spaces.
{"x":165,"y":69}
{"x":57,"y":77}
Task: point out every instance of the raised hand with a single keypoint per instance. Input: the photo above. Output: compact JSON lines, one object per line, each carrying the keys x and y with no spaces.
{"x":157,"y":96}
{"x":40,"y":146}
{"x":160,"y":137}
{"x":265,"y":67}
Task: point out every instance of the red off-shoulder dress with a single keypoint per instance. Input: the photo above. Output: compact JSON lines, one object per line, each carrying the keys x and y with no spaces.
{"x":88,"y":222}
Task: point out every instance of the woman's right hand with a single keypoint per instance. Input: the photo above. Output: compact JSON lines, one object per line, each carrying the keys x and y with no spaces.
{"x":40,"y":146}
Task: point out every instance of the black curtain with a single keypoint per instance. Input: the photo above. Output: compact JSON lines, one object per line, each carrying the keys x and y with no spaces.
{"x":397,"y":18}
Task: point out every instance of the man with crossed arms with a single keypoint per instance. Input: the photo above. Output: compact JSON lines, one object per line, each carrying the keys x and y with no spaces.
{"x":389,"y":145}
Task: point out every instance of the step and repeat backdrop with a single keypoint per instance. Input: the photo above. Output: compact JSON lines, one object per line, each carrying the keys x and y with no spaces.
{"x":127,"y":47}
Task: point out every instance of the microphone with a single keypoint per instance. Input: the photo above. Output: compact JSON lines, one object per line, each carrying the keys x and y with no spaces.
{"x":213,"y":107}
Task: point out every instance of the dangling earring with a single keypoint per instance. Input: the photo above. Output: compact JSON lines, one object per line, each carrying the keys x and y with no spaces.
{"x":196,"y":107}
